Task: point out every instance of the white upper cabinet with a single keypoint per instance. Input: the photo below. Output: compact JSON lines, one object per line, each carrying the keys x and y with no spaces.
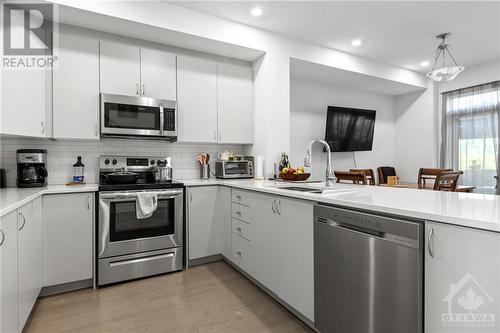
{"x":462,"y":288}
{"x":76,"y":89}
{"x":235,"y":120}
{"x":197,"y":99}
{"x":23,"y":102}
{"x":158,"y":74}
{"x":120,"y":69}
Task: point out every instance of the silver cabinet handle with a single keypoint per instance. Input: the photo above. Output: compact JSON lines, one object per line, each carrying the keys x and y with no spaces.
{"x":238,"y":253}
{"x":278,"y":204}
{"x":42,"y":125}
{"x":88,"y":202}
{"x":430,"y":244}
{"x":96,"y":130}
{"x":24,"y":221}
{"x":238,"y":213}
{"x":273,"y":206}
{"x":143,"y":89}
{"x":190,"y":196}
{"x":238,"y":197}
{"x":3,"y":237}
{"x":239,"y":229}
{"x":215,"y":135}
{"x":220,"y":136}
{"x":137,"y":88}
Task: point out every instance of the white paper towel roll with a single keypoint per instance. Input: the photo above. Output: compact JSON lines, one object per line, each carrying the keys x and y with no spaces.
{"x":259,"y":167}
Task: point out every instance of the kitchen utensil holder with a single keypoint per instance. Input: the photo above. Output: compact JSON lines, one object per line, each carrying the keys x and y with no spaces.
{"x":205,"y":171}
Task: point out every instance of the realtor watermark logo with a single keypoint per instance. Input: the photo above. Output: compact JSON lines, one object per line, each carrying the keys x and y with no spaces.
{"x":30,"y":35}
{"x":469,"y":305}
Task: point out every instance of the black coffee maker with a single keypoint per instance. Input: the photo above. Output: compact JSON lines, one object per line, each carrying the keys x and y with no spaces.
{"x":31,"y":171}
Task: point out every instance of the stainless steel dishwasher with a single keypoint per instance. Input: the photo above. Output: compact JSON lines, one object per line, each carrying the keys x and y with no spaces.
{"x":367,"y":272}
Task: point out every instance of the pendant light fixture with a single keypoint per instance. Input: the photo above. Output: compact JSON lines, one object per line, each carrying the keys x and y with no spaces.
{"x":447,"y":68}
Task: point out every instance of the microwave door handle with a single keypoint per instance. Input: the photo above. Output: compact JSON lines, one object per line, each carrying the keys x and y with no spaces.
{"x":162,"y":119}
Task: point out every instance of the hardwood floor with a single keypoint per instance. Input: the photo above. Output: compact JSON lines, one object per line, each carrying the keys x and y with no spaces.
{"x":209,"y":298}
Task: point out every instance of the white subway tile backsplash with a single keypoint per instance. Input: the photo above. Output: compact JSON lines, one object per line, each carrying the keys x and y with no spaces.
{"x":61,"y":155}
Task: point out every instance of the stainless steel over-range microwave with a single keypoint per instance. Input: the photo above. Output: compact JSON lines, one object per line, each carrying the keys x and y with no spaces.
{"x":134,"y":116}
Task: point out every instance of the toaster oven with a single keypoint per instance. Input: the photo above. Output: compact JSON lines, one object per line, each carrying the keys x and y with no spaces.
{"x":234,"y":169}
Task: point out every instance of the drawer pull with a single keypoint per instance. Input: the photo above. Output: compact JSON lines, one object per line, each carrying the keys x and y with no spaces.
{"x":238,"y":253}
{"x":133,"y":261}
{"x":239,"y":229}
{"x":238,"y":197}
{"x":238,"y":213}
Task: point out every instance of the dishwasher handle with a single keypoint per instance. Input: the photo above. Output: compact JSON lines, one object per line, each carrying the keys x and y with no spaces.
{"x":350,"y":227}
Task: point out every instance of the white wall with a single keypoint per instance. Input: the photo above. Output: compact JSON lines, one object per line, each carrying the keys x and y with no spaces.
{"x":308,"y":108}
{"x":416,"y":132}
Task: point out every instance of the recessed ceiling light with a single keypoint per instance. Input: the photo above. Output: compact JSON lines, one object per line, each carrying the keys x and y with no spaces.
{"x":356,"y":42}
{"x":424,"y":63}
{"x":256,"y":11}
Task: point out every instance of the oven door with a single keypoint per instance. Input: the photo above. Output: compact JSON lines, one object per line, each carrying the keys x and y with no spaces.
{"x":132,"y":116}
{"x":120,"y":232}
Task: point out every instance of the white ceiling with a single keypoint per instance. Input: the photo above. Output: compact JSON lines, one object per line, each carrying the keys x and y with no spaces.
{"x":399,"y":33}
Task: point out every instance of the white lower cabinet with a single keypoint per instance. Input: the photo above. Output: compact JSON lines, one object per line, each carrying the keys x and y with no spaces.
{"x":20,"y":255}
{"x":462,"y":279}
{"x":29,"y":257}
{"x":67,"y":238}
{"x":8,"y":273}
{"x":208,"y":221}
{"x":275,"y":245}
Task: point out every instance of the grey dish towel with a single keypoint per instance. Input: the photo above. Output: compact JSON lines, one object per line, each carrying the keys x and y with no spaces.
{"x":145,"y":204}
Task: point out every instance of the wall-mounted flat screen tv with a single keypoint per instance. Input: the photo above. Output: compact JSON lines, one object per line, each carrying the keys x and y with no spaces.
{"x":349,"y":129}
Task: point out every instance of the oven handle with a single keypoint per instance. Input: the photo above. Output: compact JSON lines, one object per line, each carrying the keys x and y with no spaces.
{"x":131,"y":195}
{"x":134,"y":261}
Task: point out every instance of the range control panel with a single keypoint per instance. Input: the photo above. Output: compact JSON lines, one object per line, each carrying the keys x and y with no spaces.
{"x":111,"y":163}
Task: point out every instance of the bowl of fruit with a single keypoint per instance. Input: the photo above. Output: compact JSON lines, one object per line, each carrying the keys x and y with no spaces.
{"x":292,"y":174}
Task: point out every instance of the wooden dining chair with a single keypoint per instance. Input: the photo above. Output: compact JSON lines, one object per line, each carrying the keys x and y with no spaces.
{"x":425,"y":174}
{"x":447,"y":181}
{"x":369,"y":175}
{"x":384,"y":172}
{"x":356,"y":177}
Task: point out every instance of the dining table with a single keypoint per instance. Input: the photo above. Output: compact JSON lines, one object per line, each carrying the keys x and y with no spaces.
{"x":460,"y":188}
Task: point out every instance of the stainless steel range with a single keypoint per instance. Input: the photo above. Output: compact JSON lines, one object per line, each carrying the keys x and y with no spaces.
{"x":130,"y":247}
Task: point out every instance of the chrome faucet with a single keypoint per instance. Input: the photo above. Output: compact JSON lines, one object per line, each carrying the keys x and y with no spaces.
{"x":330,"y":178}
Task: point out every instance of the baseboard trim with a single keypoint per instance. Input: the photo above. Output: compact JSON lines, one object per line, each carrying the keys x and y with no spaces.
{"x":65,"y":287}
{"x":205,"y":260}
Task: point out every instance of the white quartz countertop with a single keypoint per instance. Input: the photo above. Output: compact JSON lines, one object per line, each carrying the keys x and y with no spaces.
{"x":12,"y":197}
{"x":481,"y":211}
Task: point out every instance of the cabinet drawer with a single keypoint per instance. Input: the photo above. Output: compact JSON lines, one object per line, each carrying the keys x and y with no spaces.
{"x":241,"y":228}
{"x":241,"y":197}
{"x":241,"y":212}
{"x":240,"y":250}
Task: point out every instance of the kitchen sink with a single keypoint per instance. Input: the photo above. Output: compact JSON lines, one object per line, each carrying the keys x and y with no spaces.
{"x":302,"y":189}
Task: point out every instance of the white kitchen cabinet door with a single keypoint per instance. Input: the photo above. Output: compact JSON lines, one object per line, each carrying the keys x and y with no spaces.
{"x":462,"y":275}
{"x":263,"y":261}
{"x":158,"y":74}
{"x":67,"y":238}
{"x":29,"y":259}
{"x":296,"y":262}
{"x":206,"y":232}
{"x":120,"y":70}
{"x":235,"y":120}
{"x":76,"y":89}
{"x":8,"y":273}
{"x":23,"y":102}
{"x":197,"y":99}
